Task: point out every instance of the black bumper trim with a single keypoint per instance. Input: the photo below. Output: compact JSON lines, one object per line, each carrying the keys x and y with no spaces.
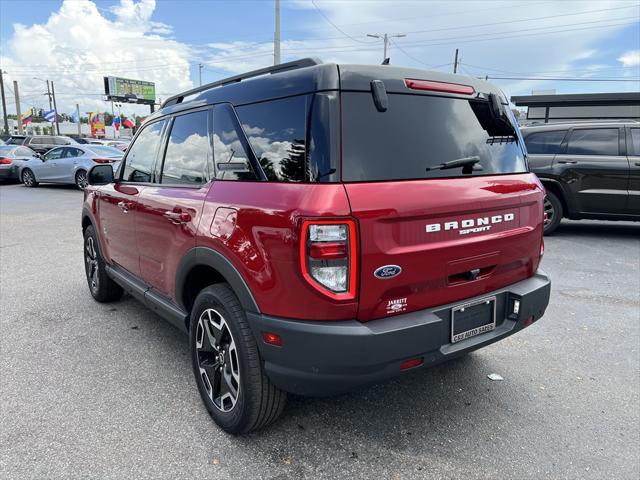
{"x":325,"y":358}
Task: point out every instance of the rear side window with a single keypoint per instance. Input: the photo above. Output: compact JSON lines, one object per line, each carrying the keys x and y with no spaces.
{"x":54,"y":154}
{"x":229,"y":149}
{"x":420,"y":132}
{"x":545,"y":142}
{"x":634,"y":149}
{"x":24,"y":152}
{"x":277,"y":134}
{"x":593,"y":141}
{"x":142,"y":154}
{"x":185,"y":161}
{"x":61,"y":141}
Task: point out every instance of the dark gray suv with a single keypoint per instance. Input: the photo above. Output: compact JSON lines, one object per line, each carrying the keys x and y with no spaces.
{"x":590,"y":170}
{"x":44,"y":143}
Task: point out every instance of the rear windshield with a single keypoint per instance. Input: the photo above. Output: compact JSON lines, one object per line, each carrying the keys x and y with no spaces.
{"x":418,"y":133}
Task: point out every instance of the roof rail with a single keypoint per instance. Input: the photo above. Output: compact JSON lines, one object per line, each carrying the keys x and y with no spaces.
{"x":303,"y":62}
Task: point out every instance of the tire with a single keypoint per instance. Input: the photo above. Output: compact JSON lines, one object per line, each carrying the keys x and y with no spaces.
{"x":102,"y":288}
{"x":230,"y":362}
{"x":28,"y":178}
{"x":81,"y":179}
{"x":553,"y":209}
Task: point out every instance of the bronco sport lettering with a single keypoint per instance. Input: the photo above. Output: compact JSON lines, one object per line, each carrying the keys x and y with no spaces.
{"x":471,"y":225}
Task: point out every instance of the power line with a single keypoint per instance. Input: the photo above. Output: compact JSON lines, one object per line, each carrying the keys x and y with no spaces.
{"x":416,"y":59}
{"x":335,"y":26}
{"x":531,"y":19}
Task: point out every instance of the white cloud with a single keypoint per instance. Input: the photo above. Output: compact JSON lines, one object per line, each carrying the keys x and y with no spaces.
{"x":630,"y":59}
{"x":78,"y":45}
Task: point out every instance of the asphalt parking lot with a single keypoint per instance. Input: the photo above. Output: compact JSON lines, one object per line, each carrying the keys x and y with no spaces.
{"x":106,"y":391}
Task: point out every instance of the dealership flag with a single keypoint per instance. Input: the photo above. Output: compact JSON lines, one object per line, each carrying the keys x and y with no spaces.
{"x":116,"y":122}
{"x":75,"y":117}
{"x":128,"y":123}
{"x":27,"y":117}
{"x":50,"y":116}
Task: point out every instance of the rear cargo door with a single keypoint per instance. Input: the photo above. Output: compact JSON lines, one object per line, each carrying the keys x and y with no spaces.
{"x":432,"y":236}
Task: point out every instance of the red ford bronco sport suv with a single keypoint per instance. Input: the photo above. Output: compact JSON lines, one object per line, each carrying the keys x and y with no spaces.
{"x":318,"y":227}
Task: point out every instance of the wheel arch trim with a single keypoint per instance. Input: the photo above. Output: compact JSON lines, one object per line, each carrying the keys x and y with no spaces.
{"x":204,"y":256}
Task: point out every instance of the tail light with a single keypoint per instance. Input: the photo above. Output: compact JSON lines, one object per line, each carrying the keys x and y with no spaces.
{"x":328,"y":255}
{"x":5,"y":161}
{"x":439,"y":86}
{"x":103,"y":160}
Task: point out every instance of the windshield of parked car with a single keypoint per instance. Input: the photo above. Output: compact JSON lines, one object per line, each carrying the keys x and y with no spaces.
{"x":106,"y":151}
{"x":418,"y":134}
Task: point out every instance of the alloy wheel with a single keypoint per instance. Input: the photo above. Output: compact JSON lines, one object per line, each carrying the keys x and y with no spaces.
{"x":27,"y":178}
{"x":81,"y":180}
{"x":218,"y":361}
{"x":91,"y":259}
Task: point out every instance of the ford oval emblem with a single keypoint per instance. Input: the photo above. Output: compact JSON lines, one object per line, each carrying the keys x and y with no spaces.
{"x":387,"y":271}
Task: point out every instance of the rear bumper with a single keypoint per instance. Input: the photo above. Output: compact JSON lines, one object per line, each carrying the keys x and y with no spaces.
{"x":325,"y":358}
{"x":8,"y":172}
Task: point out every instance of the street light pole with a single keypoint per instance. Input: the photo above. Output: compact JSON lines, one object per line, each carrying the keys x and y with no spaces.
{"x":385,"y":37}
{"x":55,"y":108}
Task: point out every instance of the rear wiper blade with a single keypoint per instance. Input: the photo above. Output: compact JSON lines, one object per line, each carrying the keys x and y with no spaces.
{"x":458,"y":162}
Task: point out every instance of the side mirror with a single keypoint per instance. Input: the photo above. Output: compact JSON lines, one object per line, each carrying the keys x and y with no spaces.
{"x":100,"y":175}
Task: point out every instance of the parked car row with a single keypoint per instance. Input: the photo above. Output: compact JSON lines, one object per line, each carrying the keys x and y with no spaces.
{"x":55,"y":158}
{"x":589,"y":170}
{"x":67,"y":165}
{"x":44,"y":143}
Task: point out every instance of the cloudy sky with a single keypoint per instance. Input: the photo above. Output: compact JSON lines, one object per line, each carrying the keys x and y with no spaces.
{"x":521,"y":45}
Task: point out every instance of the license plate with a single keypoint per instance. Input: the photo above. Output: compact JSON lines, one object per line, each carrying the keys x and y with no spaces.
{"x":471,"y":319}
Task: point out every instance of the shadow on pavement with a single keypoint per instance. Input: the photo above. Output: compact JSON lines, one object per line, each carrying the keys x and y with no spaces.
{"x":599,"y":229}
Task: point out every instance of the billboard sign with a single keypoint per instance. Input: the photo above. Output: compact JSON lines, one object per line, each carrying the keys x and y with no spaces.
{"x":126,"y":90}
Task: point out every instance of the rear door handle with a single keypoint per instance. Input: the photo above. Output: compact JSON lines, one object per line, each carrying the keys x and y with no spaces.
{"x":567,"y":161}
{"x":637,"y":164}
{"x":177,"y":216}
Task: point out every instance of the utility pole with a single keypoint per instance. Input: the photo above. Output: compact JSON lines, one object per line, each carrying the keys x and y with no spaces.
{"x":49,"y":95}
{"x":18,"y":112}
{"x":200,"y":72}
{"x":385,"y":37}
{"x":78,"y":115}
{"x":276,"y":36}
{"x":55,"y":107}
{"x":455,"y":63}
{"x":4,"y":105}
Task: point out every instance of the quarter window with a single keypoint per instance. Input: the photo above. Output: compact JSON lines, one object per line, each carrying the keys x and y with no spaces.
{"x":229,"y":147}
{"x":277,"y":134}
{"x":187,"y":151}
{"x":595,"y":141}
{"x":545,"y":142}
{"x":142,"y":154}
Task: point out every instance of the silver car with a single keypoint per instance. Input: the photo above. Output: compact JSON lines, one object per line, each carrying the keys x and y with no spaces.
{"x":11,"y":158}
{"x":68,"y":164}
